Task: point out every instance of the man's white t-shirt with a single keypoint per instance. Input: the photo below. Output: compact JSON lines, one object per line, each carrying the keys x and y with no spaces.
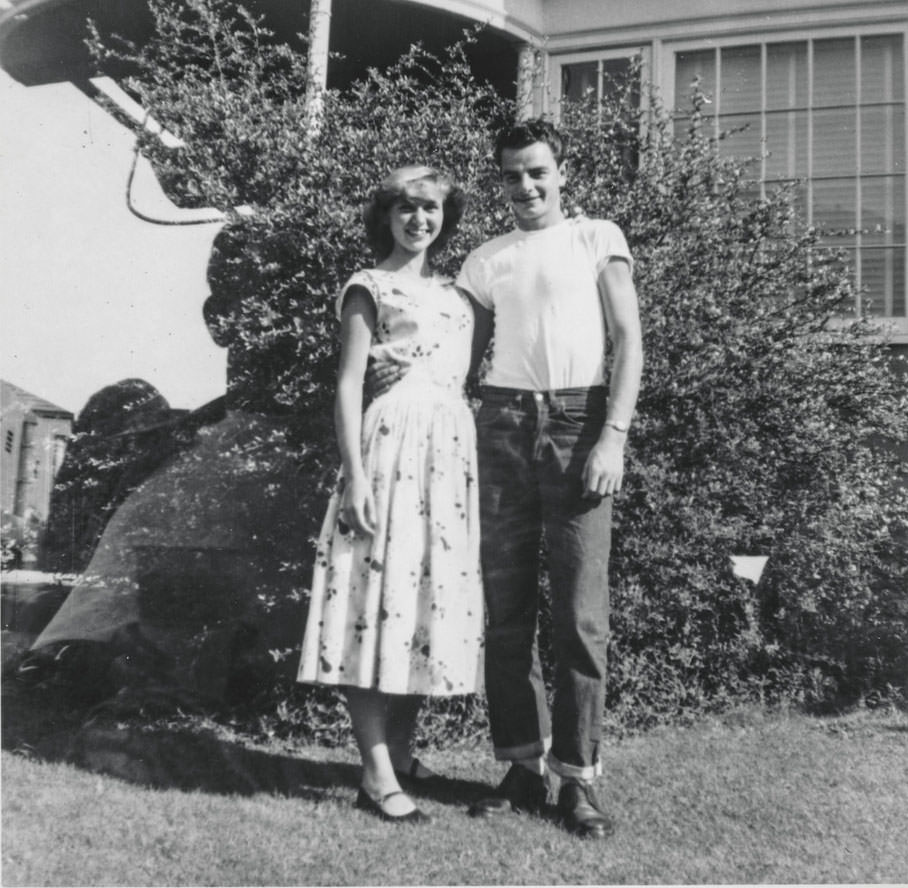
{"x":542,"y":286}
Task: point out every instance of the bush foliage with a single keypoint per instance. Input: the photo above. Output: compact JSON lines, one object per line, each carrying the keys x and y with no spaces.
{"x":757,"y":426}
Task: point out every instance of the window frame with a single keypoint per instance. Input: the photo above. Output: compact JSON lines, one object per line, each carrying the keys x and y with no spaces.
{"x":558,"y":60}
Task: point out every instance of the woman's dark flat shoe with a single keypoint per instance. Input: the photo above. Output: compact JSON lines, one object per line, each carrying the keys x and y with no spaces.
{"x":412,"y":776}
{"x":365,"y":802}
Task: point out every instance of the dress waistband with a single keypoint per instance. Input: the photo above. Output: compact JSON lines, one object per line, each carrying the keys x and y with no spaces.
{"x":416,"y":388}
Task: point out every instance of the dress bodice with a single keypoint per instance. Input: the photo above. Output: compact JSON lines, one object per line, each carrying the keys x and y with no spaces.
{"x":426,"y":324}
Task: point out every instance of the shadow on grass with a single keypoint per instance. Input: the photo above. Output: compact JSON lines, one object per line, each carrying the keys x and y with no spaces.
{"x":896,"y":729}
{"x":178,"y":754}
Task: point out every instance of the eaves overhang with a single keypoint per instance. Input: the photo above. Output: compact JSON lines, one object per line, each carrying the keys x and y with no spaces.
{"x":43,"y":41}
{"x":520,"y":19}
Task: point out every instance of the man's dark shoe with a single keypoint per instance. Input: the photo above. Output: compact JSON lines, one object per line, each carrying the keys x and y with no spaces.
{"x":521,"y":791}
{"x":580,"y":811}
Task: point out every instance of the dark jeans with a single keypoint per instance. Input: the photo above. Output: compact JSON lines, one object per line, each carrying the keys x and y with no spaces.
{"x":532,"y":450}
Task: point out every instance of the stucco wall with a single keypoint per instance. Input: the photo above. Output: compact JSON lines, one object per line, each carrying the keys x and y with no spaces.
{"x":571,"y":24}
{"x":563,"y":17}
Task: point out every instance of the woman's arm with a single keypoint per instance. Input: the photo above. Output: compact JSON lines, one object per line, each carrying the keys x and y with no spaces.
{"x":357,"y":325}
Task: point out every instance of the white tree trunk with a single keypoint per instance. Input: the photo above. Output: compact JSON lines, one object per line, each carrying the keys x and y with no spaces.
{"x":317,"y":74}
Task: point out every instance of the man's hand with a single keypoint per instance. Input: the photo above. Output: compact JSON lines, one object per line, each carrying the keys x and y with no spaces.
{"x":358,"y":506}
{"x":381,"y":375}
{"x":604,"y":469}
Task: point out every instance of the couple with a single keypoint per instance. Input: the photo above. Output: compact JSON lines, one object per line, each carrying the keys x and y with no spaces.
{"x":397,"y":595}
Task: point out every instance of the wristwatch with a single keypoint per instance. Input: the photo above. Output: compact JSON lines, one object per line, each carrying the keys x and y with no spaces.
{"x":617,"y":426}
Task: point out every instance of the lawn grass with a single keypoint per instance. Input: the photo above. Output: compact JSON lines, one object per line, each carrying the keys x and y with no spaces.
{"x":747,"y":798}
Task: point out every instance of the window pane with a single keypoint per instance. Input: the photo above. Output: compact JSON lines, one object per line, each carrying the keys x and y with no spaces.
{"x":851,"y":259}
{"x":883,"y":276}
{"x":899,"y":308}
{"x":834,"y":203}
{"x":786,"y":75}
{"x":751,"y":191}
{"x":786,"y":142}
{"x":883,"y":139}
{"x":689,"y":65}
{"x":579,"y":78}
{"x":834,"y":142}
{"x":799,"y":196}
{"x":615,"y":74}
{"x":796,"y":190}
{"x":834,"y":72}
{"x":882,"y":68}
{"x":740,"y":78}
{"x":883,"y":210}
{"x":748,"y":141}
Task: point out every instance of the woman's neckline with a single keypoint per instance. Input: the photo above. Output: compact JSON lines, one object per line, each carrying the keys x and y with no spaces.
{"x":419,"y":278}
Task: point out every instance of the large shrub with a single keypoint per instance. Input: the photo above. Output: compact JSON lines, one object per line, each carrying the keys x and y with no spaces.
{"x":755,"y":421}
{"x":754,"y":434}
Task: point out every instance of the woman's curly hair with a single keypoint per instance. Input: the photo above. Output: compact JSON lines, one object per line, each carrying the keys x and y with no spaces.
{"x":393,"y":188}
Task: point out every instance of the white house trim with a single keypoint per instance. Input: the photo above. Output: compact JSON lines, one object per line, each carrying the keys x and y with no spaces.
{"x":528,"y":27}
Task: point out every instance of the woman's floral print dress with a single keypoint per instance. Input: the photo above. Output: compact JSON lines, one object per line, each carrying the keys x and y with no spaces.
{"x":402,"y":611}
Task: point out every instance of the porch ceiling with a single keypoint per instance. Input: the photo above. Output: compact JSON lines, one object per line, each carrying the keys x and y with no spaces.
{"x":42,"y":41}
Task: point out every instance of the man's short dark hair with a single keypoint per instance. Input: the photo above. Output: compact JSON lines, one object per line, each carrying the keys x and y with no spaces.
{"x":527,"y":132}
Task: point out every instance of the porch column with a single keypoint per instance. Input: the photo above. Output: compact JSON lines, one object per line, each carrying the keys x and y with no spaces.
{"x":317,"y":65}
{"x":526,"y":80}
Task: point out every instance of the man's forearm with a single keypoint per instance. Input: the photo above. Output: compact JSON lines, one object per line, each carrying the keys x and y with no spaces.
{"x":625,"y":382}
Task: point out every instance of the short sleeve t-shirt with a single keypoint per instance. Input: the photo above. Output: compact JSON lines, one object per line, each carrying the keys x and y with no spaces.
{"x":543,"y":288}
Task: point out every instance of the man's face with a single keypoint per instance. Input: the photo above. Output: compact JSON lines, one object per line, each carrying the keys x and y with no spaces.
{"x":532,"y":184}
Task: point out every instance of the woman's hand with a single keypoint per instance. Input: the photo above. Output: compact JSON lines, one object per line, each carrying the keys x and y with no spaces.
{"x":358,"y":506}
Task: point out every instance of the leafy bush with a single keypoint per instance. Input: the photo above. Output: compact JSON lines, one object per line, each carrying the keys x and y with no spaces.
{"x":753,"y":436}
{"x":754,"y":427}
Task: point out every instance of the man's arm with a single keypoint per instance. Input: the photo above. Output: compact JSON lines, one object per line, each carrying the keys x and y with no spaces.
{"x":604,"y":470}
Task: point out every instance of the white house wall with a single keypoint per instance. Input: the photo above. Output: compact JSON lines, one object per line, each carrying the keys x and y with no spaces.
{"x":92,"y":294}
{"x":573,"y":24}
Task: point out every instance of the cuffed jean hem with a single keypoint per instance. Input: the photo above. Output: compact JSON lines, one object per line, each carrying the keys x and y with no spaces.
{"x":575,"y":772}
{"x":528,"y":750}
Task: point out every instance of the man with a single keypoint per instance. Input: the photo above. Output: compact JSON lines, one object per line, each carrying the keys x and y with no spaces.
{"x":551,"y":455}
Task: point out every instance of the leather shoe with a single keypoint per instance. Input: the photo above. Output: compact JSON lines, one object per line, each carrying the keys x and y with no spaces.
{"x":580,"y":812}
{"x":520,"y":791}
{"x":365,"y":802}
{"x":411,"y":776}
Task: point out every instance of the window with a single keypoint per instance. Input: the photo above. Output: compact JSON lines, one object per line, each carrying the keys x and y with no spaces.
{"x":8,"y":443}
{"x":604,"y":75}
{"x":576,"y":74}
{"x":830,"y":113}
{"x":598,"y":76}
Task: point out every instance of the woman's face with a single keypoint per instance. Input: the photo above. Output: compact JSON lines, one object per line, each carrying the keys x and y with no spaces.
{"x":416,"y":216}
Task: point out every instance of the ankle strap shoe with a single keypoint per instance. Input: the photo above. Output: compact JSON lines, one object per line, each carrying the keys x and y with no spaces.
{"x":365,"y":802}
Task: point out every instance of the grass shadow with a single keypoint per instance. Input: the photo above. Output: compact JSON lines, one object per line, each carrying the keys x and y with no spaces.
{"x":183,"y":753}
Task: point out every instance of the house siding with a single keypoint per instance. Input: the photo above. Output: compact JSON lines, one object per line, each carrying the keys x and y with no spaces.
{"x":34,"y":434}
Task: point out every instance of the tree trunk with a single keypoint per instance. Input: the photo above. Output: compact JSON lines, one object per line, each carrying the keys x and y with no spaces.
{"x":317,"y":73}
